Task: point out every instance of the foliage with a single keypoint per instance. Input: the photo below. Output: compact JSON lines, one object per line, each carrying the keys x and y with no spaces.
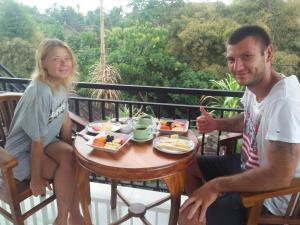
{"x":230,"y":84}
{"x":277,"y":16}
{"x":159,"y":42}
{"x":286,"y":63}
{"x":157,"y":12}
{"x":66,"y":16}
{"x":17,"y":55}
{"x":199,"y":42}
{"x":15,"y":23}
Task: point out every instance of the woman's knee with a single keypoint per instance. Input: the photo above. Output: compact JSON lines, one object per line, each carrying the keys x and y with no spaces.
{"x":194,"y":170}
{"x":62,"y":153}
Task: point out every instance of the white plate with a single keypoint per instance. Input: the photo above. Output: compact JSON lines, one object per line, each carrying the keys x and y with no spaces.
{"x":115,"y":126}
{"x":141,"y":141}
{"x":156,"y":143}
{"x":186,"y":127}
{"x":116,"y":135}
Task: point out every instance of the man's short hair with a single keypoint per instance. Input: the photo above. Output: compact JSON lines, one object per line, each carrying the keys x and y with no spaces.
{"x":250,"y":30}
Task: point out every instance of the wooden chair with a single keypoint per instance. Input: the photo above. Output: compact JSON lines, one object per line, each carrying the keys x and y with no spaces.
{"x":11,"y":191}
{"x":229,"y":141}
{"x":254,"y":201}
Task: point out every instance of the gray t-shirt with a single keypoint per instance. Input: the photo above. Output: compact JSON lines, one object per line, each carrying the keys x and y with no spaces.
{"x":39,"y":113}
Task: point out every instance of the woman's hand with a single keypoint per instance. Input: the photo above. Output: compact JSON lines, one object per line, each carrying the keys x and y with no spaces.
{"x":38,"y":186}
{"x":205,"y":123}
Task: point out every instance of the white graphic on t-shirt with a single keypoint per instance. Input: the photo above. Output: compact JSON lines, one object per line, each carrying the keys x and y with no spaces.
{"x":59,"y":110}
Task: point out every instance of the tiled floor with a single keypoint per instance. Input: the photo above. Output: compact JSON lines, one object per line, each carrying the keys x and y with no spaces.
{"x":100,"y":207}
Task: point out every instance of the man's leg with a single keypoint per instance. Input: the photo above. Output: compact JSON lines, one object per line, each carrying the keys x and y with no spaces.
{"x":226,"y":210}
{"x":205,"y":168}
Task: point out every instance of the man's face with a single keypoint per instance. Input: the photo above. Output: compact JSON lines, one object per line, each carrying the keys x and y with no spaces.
{"x":247,"y":61}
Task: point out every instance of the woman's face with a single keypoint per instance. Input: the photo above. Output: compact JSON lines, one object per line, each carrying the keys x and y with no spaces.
{"x":58,"y":63}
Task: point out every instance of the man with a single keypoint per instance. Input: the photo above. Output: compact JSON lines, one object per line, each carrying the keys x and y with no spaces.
{"x":271,"y":136}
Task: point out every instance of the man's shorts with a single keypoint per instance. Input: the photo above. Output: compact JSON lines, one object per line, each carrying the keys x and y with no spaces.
{"x":228,"y":208}
{"x":217,"y":166}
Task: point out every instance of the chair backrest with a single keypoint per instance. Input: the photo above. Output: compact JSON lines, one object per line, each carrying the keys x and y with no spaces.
{"x":11,"y":191}
{"x":254,"y":202}
{"x":8,"y":102}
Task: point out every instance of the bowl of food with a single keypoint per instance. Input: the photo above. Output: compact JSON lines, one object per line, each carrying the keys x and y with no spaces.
{"x":109,"y":141}
{"x":170,"y":126}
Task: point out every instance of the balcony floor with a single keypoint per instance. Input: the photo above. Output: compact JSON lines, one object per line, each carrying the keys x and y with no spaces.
{"x":100,"y":207}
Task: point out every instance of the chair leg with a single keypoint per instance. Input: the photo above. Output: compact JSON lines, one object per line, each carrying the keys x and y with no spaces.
{"x":14,"y":203}
{"x":254,"y":213}
{"x":17,"y":218}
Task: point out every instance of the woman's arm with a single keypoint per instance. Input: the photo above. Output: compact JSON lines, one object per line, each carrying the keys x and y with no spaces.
{"x":66,"y":129}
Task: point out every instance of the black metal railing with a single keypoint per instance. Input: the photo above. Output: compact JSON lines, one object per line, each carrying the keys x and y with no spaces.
{"x":93,"y":109}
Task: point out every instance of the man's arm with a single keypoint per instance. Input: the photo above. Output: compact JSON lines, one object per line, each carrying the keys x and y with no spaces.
{"x":278,"y":173}
{"x":283,"y":159}
{"x":233,"y":124}
{"x":206,"y":123}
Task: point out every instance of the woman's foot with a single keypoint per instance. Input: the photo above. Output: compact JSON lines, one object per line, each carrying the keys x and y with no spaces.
{"x":76,"y":220}
{"x":60,"y":221}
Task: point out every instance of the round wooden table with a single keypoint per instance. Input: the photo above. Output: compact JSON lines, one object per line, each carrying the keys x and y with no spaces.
{"x":134,"y":162}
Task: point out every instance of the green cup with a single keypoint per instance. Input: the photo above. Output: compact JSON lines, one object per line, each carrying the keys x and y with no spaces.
{"x":141,"y":132}
{"x":145,"y":120}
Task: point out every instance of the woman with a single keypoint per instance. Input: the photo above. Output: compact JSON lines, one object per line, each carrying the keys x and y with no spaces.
{"x":42,"y":114}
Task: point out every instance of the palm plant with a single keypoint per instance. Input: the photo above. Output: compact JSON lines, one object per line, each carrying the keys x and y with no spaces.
{"x":101,"y":72}
{"x":230,"y":84}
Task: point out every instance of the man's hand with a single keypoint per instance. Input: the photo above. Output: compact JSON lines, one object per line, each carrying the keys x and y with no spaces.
{"x":200,"y":200}
{"x":38,"y":186}
{"x":205,"y":123}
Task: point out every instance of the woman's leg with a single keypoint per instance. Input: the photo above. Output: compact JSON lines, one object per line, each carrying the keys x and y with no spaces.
{"x":64,"y":182}
{"x":194,"y":178}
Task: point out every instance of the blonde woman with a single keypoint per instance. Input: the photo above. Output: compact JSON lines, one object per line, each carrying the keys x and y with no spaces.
{"x":40,"y":116}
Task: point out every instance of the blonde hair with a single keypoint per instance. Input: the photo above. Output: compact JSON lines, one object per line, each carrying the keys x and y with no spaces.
{"x":41,"y":54}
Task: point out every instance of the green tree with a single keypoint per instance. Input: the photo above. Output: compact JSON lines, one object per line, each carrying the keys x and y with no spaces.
{"x":18,"y":56}
{"x":67,"y":16}
{"x":201,"y":44}
{"x":158,"y":12}
{"x":14,"y":22}
{"x":286,"y":63}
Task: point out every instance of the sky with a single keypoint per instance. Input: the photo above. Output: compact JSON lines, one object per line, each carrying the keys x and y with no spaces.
{"x":85,"y":5}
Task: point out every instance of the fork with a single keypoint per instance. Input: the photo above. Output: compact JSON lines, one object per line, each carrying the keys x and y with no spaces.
{"x":84,"y":136}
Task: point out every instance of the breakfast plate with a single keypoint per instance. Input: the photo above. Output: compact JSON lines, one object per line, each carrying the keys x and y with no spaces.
{"x":170,"y":126}
{"x":99,"y":126}
{"x":173,"y":145}
{"x":109,"y":141}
